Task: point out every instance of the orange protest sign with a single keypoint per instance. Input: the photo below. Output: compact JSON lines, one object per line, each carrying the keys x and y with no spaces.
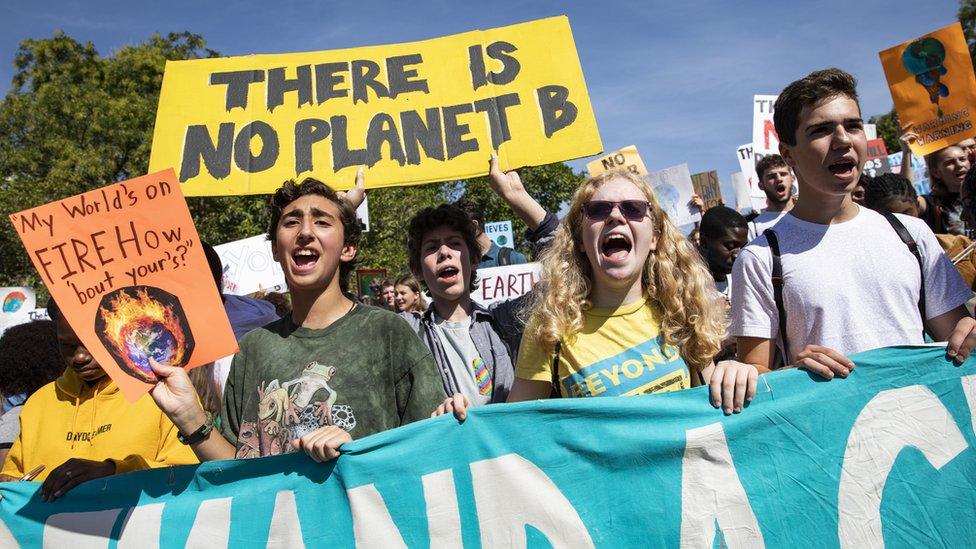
{"x":933,"y":87}
{"x":125,"y":265}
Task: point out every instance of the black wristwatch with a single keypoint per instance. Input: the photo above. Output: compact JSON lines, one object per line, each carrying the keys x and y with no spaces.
{"x":198,"y":435}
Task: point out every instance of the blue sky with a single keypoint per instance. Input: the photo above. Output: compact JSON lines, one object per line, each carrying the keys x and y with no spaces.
{"x":676,"y":79}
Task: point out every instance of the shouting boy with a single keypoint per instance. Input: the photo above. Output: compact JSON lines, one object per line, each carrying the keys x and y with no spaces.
{"x":330,"y":370}
{"x":849,"y":279}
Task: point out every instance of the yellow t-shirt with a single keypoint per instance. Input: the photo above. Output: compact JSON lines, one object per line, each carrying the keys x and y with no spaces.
{"x":619,"y":352}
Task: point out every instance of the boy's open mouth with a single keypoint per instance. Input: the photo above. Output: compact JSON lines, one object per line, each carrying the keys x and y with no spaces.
{"x":448,"y":274}
{"x":842,"y":168}
{"x":615,"y":246}
{"x":305,"y":259}
{"x":781,"y":188}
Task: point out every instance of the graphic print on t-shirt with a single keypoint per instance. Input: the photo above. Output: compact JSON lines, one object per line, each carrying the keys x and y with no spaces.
{"x":290,"y":410}
{"x":482,"y":376}
{"x":649,"y":367}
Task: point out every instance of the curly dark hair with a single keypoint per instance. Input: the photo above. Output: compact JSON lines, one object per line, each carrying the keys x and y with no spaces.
{"x":767,"y":162}
{"x":885,"y":187}
{"x":812,"y":90}
{"x":29,"y":357}
{"x":445,"y":215}
{"x":352,"y":231}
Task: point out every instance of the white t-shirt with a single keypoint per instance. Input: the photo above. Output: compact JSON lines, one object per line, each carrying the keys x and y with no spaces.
{"x":765,"y":220}
{"x":850,"y":286}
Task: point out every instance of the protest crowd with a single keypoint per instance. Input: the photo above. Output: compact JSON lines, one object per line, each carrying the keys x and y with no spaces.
{"x":838,"y":262}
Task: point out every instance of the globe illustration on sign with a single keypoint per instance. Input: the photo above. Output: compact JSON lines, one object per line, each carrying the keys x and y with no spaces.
{"x":502,"y":240}
{"x":925,"y":58}
{"x":668,"y":196}
{"x":140,"y":323}
{"x":14,"y":301}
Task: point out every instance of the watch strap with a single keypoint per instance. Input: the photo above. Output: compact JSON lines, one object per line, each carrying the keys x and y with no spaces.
{"x":199,"y":434}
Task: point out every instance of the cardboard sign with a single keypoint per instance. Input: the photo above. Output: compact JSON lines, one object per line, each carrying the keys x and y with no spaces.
{"x":249,"y":266}
{"x":627,"y":157}
{"x":500,"y":232}
{"x":933,"y":87}
{"x":507,"y":282}
{"x":412,"y":113}
{"x":708,"y":188}
{"x":764,"y":138}
{"x":673,"y":189}
{"x":877,"y":161}
{"x":16,"y":304}
{"x":125,"y":265}
{"x":365,"y":279}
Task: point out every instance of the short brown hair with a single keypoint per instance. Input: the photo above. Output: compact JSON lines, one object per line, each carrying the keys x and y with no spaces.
{"x":813,"y":89}
{"x":767,"y":162}
{"x":352,"y":232}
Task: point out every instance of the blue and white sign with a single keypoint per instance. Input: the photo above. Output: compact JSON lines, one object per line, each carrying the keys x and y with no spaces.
{"x":883,"y":458}
{"x":500,"y":232}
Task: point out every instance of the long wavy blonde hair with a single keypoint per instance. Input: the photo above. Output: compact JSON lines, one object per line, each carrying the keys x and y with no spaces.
{"x":674,"y":276}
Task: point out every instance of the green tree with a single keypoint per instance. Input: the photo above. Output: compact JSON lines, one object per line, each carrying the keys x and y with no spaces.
{"x":887,"y":126}
{"x":967,"y":18}
{"x":74,"y":120}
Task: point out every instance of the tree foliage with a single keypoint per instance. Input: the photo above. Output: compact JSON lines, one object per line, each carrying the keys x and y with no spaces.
{"x":74,"y":120}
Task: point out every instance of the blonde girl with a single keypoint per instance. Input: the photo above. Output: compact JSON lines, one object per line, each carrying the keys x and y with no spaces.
{"x":624,"y":307}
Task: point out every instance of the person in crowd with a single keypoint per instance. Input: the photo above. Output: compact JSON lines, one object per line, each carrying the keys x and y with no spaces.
{"x":409,"y":295}
{"x":894,"y":193}
{"x":443,"y":251}
{"x":332,"y":369}
{"x":942,"y":209}
{"x":387,"y":295}
{"x":968,"y":146}
{"x":244,"y":313}
{"x":776,"y":181}
{"x":829,"y":242}
{"x":29,"y":360}
{"x":621,"y":285}
{"x":723,"y":233}
{"x":80,"y":427}
{"x":491,"y":254}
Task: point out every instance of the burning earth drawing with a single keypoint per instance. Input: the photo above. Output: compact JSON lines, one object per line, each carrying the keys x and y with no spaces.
{"x":140,"y":322}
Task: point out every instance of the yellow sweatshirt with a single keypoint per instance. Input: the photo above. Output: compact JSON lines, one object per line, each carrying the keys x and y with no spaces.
{"x":69,"y":418}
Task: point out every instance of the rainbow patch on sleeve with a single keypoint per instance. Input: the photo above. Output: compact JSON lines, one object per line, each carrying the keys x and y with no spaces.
{"x":482,"y":376}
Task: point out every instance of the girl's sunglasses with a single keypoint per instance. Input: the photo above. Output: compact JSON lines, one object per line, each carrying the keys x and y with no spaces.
{"x":599,"y":210}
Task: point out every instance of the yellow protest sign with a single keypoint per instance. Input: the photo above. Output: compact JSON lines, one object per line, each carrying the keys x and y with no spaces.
{"x":627,"y":157}
{"x":412,"y":113}
{"x":933,"y":87}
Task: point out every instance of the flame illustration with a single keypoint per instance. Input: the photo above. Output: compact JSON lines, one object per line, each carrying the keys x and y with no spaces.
{"x":135,"y":328}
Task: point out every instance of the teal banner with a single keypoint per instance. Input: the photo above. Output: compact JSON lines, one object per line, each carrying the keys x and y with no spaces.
{"x":884,"y":457}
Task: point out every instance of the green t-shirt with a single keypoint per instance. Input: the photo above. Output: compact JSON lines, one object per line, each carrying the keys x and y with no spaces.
{"x":367,"y":372}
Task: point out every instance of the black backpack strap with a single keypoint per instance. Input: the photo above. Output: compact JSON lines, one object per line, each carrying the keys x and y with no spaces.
{"x":906,"y":237}
{"x":777,"y":279}
{"x":504,"y":256}
{"x":556,"y":393}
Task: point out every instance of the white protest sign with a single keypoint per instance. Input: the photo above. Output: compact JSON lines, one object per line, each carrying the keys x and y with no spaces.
{"x":504,"y":283}
{"x":16,"y":303}
{"x":747,"y":164}
{"x":871,"y":131}
{"x":740,"y":186}
{"x":249,"y":267}
{"x":500,"y":232}
{"x":764,"y":138}
{"x":362,"y":214}
{"x":674,"y":189}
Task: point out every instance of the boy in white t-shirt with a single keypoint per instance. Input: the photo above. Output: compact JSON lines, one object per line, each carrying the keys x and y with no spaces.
{"x":776,"y":180}
{"x":849,"y":281}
